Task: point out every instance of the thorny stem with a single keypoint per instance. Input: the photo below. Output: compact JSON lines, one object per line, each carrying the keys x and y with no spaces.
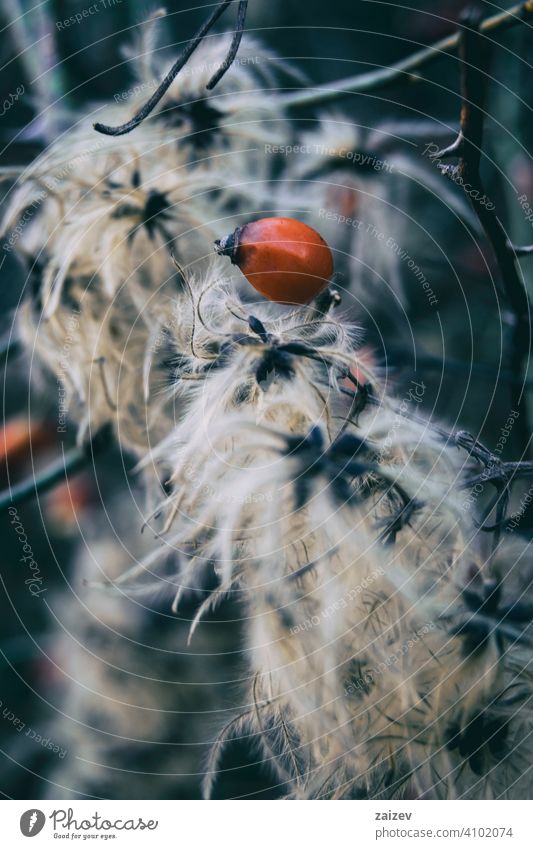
{"x":72,"y":461}
{"x":474,"y":52}
{"x":9,"y":348}
{"x":375,"y":80}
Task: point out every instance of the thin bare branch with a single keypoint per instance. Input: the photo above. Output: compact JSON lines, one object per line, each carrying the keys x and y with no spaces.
{"x":475,"y":53}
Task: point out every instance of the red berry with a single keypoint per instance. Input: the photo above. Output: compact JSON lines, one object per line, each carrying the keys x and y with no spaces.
{"x":284,"y":259}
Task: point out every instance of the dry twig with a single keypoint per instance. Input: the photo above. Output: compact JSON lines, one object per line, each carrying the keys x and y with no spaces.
{"x":376,"y":80}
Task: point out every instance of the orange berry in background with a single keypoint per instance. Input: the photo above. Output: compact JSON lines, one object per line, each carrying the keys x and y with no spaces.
{"x":284,"y":259}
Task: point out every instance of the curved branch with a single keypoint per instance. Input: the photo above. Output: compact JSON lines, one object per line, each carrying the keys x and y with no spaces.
{"x":375,"y":80}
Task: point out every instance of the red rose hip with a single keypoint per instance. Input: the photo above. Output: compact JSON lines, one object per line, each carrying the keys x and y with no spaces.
{"x":284,"y":259}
